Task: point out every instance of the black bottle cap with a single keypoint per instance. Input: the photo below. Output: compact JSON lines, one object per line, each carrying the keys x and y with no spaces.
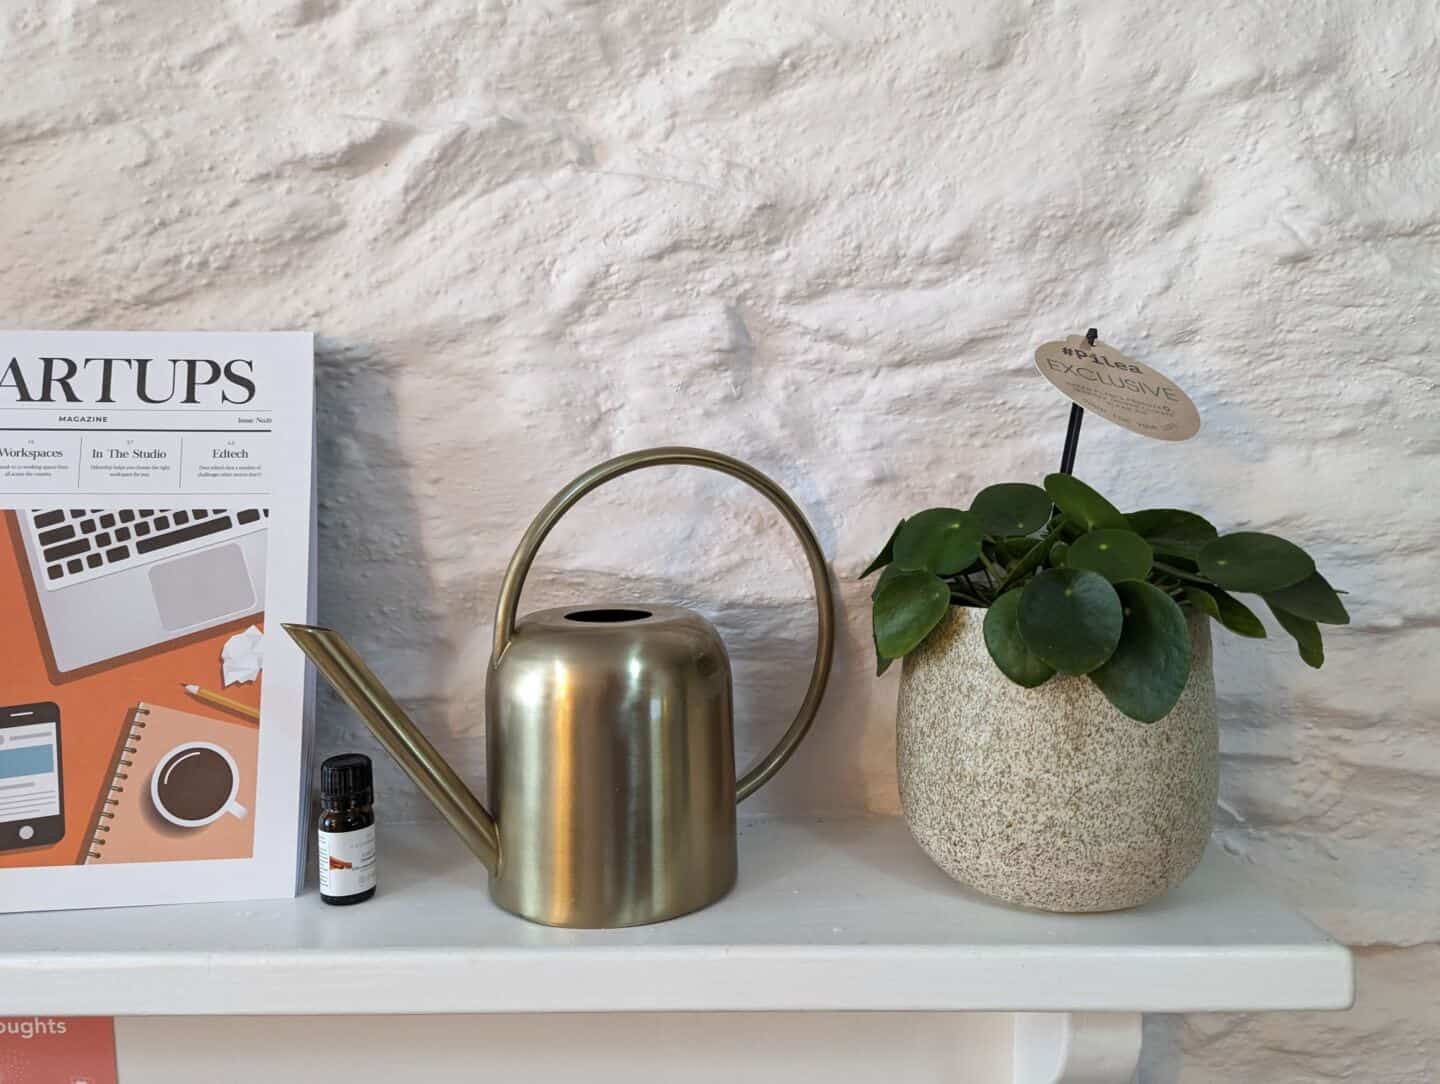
{"x":347,"y":776}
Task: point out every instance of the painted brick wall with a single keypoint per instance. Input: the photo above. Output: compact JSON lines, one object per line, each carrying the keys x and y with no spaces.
{"x":824,"y":237}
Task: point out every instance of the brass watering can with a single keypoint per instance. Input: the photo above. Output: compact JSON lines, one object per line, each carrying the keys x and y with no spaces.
{"x":609,"y":737}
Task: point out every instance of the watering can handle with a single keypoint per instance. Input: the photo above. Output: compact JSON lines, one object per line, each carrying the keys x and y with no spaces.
{"x":597,"y":476}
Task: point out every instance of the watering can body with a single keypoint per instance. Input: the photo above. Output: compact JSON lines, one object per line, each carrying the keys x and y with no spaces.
{"x":611,"y":766}
{"x":610,"y":738}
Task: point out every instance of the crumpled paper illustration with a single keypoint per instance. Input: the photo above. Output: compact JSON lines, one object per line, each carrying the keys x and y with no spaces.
{"x":242,"y":659}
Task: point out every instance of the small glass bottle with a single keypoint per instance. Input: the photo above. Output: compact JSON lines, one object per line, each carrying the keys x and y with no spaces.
{"x":347,"y":829}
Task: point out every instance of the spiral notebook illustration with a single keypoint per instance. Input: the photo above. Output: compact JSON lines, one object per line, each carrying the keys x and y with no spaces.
{"x":182,"y":789}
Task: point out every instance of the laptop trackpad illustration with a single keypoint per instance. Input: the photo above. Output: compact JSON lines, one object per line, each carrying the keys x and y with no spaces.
{"x":199,"y":588}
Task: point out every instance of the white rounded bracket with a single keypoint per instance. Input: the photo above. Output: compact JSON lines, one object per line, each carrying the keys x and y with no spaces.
{"x":1076,"y":1048}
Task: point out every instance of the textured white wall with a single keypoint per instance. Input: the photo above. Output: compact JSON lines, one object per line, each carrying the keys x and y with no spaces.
{"x":824,"y":237}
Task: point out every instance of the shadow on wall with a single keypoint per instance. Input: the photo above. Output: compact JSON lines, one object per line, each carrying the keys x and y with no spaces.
{"x":372,"y":582}
{"x":377,"y":587}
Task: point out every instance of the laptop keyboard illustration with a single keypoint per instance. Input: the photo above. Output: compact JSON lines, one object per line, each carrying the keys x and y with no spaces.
{"x":81,"y":544}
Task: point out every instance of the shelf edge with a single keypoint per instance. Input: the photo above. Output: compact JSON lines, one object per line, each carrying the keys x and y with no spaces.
{"x":718,"y":979}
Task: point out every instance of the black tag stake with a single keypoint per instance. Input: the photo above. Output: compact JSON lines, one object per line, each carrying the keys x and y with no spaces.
{"x":1077,"y":417}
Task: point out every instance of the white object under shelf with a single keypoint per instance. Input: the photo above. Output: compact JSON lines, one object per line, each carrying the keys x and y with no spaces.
{"x":828,"y":915}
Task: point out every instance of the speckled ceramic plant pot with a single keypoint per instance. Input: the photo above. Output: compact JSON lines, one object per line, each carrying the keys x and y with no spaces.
{"x":1050,"y":797}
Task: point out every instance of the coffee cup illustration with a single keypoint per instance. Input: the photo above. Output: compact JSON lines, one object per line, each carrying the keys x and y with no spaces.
{"x":195,"y":784}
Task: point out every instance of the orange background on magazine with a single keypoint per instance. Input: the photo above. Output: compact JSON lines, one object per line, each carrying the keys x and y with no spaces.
{"x":95,"y":703}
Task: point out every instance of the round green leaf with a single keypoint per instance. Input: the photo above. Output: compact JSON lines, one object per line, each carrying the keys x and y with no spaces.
{"x":1012,"y":549}
{"x":1057,"y":554}
{"x":1007,"y":647}
{"x":1306,"y":634}
{"x":881,"y":662}
{"x":1203,"y":601}
{"x":1011,"y":508}
{"x":1253,"y":561}
{"x":886,"y":555}
{"x":1033,"y":559}
{"x":1081,"y":504}
{"x":939,"y":540}
{"x":1116,"y":555}
{"x":1146,"y":674}
{"x":906,"y":610}
{"x":1172,"y":531}
{"x":1312,"y":598}
{"x":890,"y":572}
{"x":1232,"y":613}
{"x":1070,"y":619}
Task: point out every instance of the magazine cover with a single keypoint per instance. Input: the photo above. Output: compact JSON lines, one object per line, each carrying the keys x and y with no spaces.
{"x":156,"y":527}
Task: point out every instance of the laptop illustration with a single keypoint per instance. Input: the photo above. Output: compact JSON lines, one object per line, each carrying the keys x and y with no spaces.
{"x":113,"y":581}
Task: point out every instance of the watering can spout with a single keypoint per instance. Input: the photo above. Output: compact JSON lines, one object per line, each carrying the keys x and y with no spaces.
{"x":361,"y":689}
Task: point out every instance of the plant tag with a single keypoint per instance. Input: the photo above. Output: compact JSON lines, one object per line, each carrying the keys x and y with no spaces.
{"x":1119,"y":389}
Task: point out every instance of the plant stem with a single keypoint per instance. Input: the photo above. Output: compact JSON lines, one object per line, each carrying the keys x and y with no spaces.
{"x":993,"y":572}
{"x":964,"y":590}
{"x":968,"y":596}
{"x":1181,"y":574}
{"x":1025,"y":565}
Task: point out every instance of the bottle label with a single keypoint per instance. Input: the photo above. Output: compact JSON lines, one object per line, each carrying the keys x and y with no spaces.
{"x":347,"y":862}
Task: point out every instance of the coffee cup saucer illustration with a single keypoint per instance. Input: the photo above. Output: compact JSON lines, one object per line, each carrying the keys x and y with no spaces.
{"x":195,"y":784}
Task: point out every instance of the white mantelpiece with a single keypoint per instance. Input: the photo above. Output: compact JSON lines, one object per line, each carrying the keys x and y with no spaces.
{"x":829,"y":916}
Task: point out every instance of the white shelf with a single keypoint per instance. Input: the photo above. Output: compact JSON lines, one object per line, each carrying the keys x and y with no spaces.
{"x":828,"y":915}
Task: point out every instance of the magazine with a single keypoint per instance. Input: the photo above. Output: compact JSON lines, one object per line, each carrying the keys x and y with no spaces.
{"x":156,"y":528}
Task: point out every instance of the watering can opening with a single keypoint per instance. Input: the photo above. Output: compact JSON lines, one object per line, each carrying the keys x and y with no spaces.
{"x":608,"y":616}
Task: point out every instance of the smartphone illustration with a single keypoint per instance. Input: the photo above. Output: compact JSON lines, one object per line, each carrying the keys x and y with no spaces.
{"x":32,"y":804}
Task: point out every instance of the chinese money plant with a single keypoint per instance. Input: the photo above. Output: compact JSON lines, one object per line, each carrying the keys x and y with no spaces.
{"x":1071,"y":585}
